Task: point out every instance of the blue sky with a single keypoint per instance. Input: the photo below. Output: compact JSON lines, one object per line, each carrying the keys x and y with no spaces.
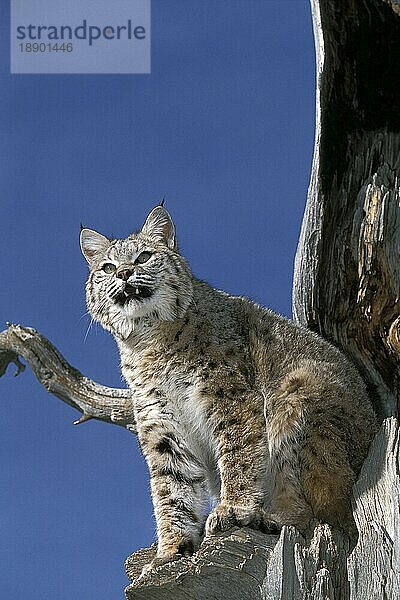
{"x":223,"y":127}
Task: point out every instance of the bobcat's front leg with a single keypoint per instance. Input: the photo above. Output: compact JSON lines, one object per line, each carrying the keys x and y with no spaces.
{"x":240,"y":432}
{"x":178,"y":491}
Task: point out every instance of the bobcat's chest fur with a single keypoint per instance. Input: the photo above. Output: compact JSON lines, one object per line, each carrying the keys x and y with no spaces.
{"x":169,"y":400}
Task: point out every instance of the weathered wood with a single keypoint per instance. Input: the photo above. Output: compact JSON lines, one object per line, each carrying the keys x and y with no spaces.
{"x":95,"y":401}
{"x":230,"y":566}
{"x":374,"y":565}
{"x":347,"y":269}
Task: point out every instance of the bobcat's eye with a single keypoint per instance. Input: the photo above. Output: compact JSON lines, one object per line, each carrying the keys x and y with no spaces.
{"x":143,"y":257}
{"x":109,"y":268}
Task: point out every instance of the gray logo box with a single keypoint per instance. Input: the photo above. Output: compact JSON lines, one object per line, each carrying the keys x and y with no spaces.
{"x":80,"y":36}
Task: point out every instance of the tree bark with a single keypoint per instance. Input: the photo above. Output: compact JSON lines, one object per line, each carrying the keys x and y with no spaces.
{"x":347,"y":288}
{"x":347,"y":268}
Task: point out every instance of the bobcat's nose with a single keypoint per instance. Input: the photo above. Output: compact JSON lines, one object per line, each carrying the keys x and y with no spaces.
{"x":124,"y":273}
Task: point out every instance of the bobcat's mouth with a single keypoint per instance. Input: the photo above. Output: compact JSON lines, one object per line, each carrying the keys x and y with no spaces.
{"x":133,"y":292}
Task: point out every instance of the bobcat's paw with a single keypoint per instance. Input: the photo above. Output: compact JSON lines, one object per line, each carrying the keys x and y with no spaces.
{"x":158,"y":561}
{"x":226,"y":516}
{"x":171,"y":553}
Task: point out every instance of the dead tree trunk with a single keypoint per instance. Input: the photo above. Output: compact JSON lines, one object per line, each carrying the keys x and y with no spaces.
{"x":346,"y":287}
{"x":347,"y":271}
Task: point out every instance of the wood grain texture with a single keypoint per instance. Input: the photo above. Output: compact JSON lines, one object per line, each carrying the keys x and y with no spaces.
{"x":93,"y":400}
{"x":227,"y":565}
{"x":347,"y":272}
{"x":374,"y":565}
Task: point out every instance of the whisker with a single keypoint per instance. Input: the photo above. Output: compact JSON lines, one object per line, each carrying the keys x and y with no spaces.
{"x":88,"y":329}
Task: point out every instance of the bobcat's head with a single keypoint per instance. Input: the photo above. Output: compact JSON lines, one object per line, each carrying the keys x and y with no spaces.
{"x":141,"y":276}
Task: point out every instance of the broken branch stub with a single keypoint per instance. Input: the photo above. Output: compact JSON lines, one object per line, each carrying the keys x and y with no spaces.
{"x":93,"y":400}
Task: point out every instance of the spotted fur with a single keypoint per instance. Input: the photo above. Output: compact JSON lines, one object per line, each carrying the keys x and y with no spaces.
{"x":231,"y":401}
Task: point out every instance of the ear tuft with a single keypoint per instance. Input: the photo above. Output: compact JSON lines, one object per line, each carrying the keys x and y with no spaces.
{"x":159,"y":225}
{"x":92,"y":244}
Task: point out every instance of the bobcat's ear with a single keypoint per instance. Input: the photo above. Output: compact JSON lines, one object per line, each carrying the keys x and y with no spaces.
{"x":160,"y":225}
{"x":92,"y":243}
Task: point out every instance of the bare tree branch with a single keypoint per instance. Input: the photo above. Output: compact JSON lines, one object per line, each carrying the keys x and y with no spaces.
{"x":94,"y":401}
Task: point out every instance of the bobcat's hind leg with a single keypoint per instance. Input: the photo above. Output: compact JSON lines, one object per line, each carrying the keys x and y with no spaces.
{"x":285,"y":418}
{"x":308,"y":431}
{"x":327,"y":480}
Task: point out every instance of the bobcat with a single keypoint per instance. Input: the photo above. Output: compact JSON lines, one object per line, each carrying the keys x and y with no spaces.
{"x":232,"y":401}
